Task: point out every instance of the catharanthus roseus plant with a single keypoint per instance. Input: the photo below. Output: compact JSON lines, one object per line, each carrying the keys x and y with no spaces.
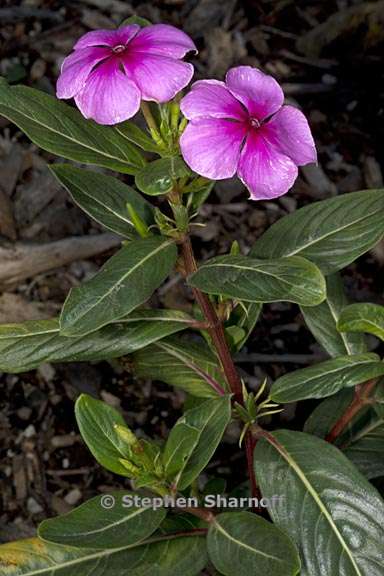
{"x":309,"y":506}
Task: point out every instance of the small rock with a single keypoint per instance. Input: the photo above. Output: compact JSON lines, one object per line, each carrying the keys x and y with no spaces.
{"x":59,"y":505}
{"x":110,"y":399}
{"x":73,"y":496}
{"x":372,"y":173}
{"x":24,"y":413}
{"x":38,"y":69}
{"x":320,"y":185}
{"x":47,"y":372}
{"x":64,"y":440}
{"x":30,"y":431}
{"x":33,"y":506}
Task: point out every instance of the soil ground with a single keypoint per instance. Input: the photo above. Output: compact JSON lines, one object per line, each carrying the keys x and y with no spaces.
{"x":328,"y":56}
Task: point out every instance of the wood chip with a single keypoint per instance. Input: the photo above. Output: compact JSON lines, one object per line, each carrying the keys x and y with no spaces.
{"x":22,"y":261}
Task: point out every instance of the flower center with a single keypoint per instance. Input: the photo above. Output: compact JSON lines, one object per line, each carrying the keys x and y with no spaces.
{"x":119,"y":48}
{"x":254,"y":122}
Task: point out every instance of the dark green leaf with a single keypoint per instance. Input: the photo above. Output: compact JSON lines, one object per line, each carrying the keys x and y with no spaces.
{"x":104,"y":198}
{"x":127,"y":280}
{"x":97,"y":422}
{"x":291,"y":279}
{"x":25,"y":346}
{"x":158,"y":176}
{"x":180,"y":444}
{"x":188,"y":365}
{"x":331,"y":233}
{"x":194,"y":439}
{"x":199,"y":196}
{"x":362,"y":318}
{"x":169,"y":555}
{"x":322,"y":322}
{"x":242,"y":543}
{"x":366,"y":448}
{"x":327,"y":413}
{"x":331,"y":511}
{"x":327,"y":378}
{"x":62,"y":130}
{"x":94,"y":524}
{"x":137,"y":136}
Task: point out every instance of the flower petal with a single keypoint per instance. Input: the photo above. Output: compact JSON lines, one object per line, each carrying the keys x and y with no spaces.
{"x":290,"y":133}
{"x":159,"y":78}
{"x":259,"y":92}
{"x":76,"y":68}
{"x":264,"y":170}
{"x":109,"y":97}
{"x":211,"y":99}
{"x":164,"y":40}
{"x":109,"y":38}
{"x":211,"y":147}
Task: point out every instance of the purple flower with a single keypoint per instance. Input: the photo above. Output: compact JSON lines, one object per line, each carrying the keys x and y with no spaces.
{"x":241,"y":126}
{"x":110,"y":71}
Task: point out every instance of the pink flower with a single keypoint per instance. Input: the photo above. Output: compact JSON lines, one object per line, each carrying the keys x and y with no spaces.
{"x":241,"y":126}
{"x":110,"y":71}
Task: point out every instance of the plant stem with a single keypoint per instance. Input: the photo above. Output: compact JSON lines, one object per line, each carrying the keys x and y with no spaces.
{"x":215,"y":327}
{"x":151,"y":123}
{"x":201,"y":513}
{"x":250,"y":444}
{"x":361,"y":399}
{"x":216,"y":331}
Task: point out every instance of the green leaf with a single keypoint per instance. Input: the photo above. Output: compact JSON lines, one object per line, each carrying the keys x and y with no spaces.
{"x":27,"y":345}
{"x":116,"y":447}
{"x":143,"y":22}
{"x":127,"y":280}
{"x":326,"y":378}
{"x":158,"y":176}
{"x":194,"y":439}
{"x":137,"y":136}
{"x":242,"y":543}
{"x":362,"y":318}
{"x":366,"y":448}
{"x":95,"y":525}
{"x":245,"y":318}
{"x":180,"y":444}
{"x":322,"y":322}
{"x":104,"y":198}
{"x":327,"y":413}
{"x":378,"y":399}
{"x":169,"y":555}
{"x":184,"y":364}
{"x":330,"y":510}
{"x":62,"y":130}
{"x":197,"y":197}
{"x":97,"y":422}
{"x":331,"y":233}
{"x":291,"y":279}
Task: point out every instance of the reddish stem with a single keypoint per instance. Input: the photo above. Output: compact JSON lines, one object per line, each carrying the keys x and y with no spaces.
{"x":250,"y":444}
{"x":216,"y":331}
{"x":215,"y":328}
{"x":361,"y":399}
{"x":201,"y":513}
